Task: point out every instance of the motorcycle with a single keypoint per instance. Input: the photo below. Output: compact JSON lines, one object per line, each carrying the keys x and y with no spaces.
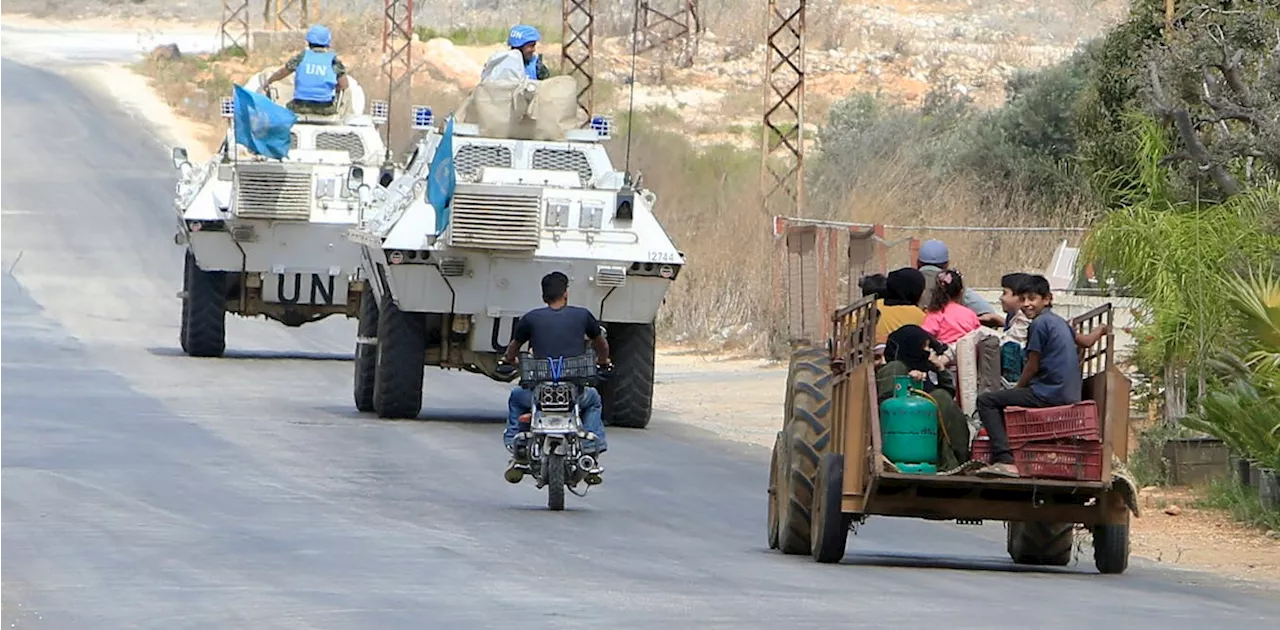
{"x":552,"y":431}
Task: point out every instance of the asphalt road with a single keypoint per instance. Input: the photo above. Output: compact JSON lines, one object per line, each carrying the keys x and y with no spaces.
{"x":146,"y":489}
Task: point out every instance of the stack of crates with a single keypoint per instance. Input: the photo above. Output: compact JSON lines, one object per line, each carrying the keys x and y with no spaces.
{"x":1051,"y":442}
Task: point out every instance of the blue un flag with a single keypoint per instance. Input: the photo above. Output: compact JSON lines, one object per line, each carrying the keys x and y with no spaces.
{"x":262,"y":126}
{"x":442,"y":178}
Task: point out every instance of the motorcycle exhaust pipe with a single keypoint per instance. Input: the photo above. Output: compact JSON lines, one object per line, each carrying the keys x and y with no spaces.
{"x":586,"y":462}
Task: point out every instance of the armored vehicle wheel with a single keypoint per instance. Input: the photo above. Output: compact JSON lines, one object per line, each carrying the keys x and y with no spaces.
{"x":366,"y":359}
{"x":628,"y":395}
{"x":204,"y":310}
{"x":773,"y":491}
{"x":1047,"y":544}
{"x":1111,"y":548}
{"x":397,"y":379}
{"x":830,"y":529}
{"x":807,"y":437}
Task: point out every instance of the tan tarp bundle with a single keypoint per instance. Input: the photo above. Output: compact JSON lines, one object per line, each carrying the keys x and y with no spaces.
{"x":524,"y":109}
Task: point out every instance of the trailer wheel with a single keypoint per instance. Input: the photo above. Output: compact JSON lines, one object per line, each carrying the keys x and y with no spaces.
{"x":1111,"y":548}
{"x":807,"y":437}
{"x":204,"y":310}
{"x":773,"y":492}
{"x":830,"y":529}
{"x":627,"y":397}
{"x":397,"y":379}
{"x":1036,"y":543}
{"x":366,"y":359}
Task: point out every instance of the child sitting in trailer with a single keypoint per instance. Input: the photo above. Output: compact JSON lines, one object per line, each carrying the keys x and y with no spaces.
{"x":947,"y":317}
{"x":1050,"y":377}
{"x":1016,"y":323}
{"x":1014,"y":338}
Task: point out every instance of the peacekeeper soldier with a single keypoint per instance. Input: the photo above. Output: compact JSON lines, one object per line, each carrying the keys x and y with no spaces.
{"x":319,"y":76}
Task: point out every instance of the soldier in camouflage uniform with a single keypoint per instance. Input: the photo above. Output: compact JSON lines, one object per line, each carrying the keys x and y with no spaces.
{"x":319,"y":76}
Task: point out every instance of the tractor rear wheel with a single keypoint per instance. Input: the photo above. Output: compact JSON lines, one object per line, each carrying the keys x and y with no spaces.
{"x":807,"y":437}
{"x":1036,"y":543}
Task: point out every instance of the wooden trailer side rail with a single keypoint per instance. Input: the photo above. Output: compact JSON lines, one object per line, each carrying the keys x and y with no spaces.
{"x":852,"y":349}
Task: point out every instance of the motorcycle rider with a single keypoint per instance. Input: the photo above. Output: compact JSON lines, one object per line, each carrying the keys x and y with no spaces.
{"x":319,"y":76}
{"x":556,"y":330}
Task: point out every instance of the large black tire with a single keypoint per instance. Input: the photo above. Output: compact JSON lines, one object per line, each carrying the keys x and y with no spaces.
{"x":774,"y":474}
{"x":397,"y":379}
{"x":1043,"y":544}
{"x":808,"y":437}
{"x":204,"y":311}
{"x":830,"y":529}
{"x":1111,"y":548}
{"x":627,"y":396}
{"x":366,"y":360}
{"x":555,"y":482}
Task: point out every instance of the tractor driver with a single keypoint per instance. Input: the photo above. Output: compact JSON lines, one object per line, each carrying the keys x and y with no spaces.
{"x":556,"y":330}
{"x":319,"y":76}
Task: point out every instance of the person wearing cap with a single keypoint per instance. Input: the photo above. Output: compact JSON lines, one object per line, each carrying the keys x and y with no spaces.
{"x":318,"y":75}
{"x":932,"y":258}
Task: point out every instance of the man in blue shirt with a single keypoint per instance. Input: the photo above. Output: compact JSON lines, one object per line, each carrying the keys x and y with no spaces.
{"x":318,"y":75}
{"x":1050,"y":375}
{"x":557,"y":330}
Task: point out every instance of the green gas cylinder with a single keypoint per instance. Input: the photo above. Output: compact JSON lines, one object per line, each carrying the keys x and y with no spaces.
{"x":909,"y":428}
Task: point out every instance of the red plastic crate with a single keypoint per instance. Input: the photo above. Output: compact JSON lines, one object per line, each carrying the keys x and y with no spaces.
{"x":1075,"y":460}
{"x":1051,"y":423}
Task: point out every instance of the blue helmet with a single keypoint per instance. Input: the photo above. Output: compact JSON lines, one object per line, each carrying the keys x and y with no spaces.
{"x":318,"y":35}
{"x":522,"y":34}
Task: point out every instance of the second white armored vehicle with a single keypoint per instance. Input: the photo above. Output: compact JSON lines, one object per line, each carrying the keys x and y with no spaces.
{"x":522,"y":208}
{"x":267,"y":237}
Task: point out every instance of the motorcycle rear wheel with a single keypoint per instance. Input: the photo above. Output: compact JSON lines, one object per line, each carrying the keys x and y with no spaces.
{"x":555,"y":482}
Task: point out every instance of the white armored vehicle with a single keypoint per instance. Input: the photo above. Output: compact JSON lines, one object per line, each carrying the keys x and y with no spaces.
{"x":267,"y":237}
{"x":522,"y":208}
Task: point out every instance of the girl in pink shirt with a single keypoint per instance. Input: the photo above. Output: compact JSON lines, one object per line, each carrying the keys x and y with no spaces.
{"x":947,"y":318}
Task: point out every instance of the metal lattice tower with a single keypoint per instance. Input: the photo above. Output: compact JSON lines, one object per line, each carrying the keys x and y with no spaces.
{"x":782,"y":147}
{"x":680,"y":26}
{"x":578,"y":48}
{"x":397,"y":44}
{"x":289,"y":15}
{"x":233,"y":31}
{"x":397,"y":57}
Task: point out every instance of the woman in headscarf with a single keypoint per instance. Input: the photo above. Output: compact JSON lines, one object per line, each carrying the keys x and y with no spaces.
{"x":900,"y":303}
{"x":910,"y":351}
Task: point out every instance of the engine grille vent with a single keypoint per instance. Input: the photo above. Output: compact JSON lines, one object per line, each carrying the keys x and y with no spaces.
{"x":273,"y":191}
{"x":563,"y":160}
{"x":470,"y":158}
{"x":349,"y":142}
{"x":495,"y":217}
